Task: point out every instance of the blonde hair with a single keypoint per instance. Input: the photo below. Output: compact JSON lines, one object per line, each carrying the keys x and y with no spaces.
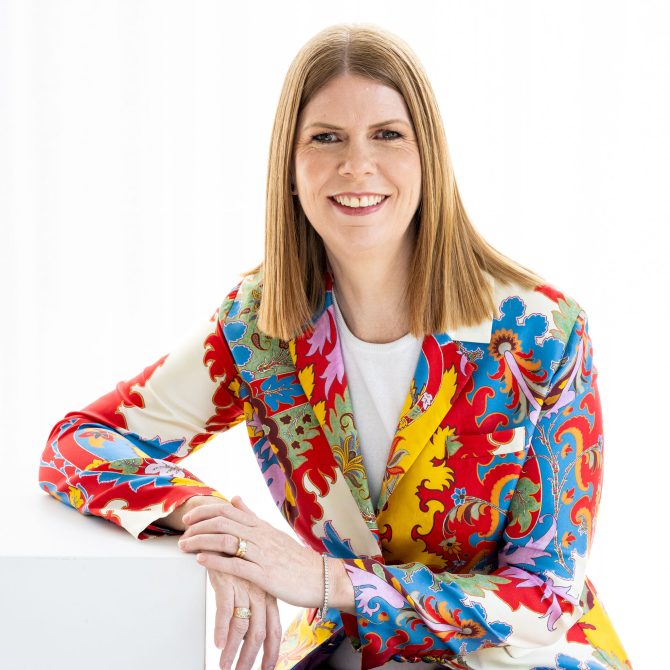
{"x":446,"y":288}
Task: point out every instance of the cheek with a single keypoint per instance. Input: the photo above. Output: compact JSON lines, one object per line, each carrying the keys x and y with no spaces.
{"x":412,"y":166}
{"x":414,"y":178}
{"x":312,"y":170}
{"x":406,"y":169}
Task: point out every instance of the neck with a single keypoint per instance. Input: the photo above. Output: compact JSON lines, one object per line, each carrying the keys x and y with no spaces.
{"x":370,"y":294}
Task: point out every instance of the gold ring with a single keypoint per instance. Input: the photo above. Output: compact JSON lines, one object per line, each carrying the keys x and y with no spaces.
{"x":241,"y":547}
{"x":242,"y":612}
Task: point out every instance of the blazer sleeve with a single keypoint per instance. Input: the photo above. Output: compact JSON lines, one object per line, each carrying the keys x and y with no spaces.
{"x":118,"y":458}
{"x":532,"y":597}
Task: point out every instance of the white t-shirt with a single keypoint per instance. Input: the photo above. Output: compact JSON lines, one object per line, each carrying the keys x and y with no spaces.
{"x":378,"y":376}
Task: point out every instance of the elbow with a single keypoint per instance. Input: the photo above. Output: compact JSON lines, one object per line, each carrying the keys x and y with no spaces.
{"x":55,"y":469}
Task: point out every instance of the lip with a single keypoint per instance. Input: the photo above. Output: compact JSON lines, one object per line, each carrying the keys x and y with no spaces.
{"x":351,"y":194}
{"x":359,"y":211}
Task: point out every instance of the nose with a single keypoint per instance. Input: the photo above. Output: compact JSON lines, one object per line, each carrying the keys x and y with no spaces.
{"x":357,"y":159}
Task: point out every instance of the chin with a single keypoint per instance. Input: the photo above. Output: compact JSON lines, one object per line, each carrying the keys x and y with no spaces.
{"x":361,"y":241}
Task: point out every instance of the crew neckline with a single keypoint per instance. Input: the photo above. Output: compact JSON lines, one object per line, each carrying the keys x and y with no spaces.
{"x":403,"y":341}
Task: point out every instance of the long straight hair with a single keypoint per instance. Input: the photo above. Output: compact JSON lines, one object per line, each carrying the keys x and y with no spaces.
{"x":446,"y":287}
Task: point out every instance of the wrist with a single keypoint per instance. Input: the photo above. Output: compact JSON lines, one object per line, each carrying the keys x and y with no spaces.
{"x":325,"y":601}
{"x":341,"y":592}
{"x":174,"y":520}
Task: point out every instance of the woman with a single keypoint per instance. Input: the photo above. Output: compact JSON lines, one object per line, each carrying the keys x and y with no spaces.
{"x":424,"y":410}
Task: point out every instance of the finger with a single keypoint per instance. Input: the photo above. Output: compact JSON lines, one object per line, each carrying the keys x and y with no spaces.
{"x":204,"y":512}
{"x":238,"y":511}
{"x":226,"y":544}
{"x":256,"y":634}
{"x":237,"y":628}
{"x":206,"y":526}
{"x":231,"y":565}
{"x":239,"y":503}
{"x":221,"y":523}
{"x":273,"y":633}
{"x":224,"y":592}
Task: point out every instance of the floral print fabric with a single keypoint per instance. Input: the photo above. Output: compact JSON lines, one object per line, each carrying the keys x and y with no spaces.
{"x":476,"y":552}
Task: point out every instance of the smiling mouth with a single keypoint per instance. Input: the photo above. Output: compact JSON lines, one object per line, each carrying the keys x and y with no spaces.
{"x":358,"y":211}
{"x":384,"y":198}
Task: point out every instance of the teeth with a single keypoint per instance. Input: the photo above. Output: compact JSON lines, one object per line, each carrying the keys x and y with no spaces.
{"x":365,"y":201}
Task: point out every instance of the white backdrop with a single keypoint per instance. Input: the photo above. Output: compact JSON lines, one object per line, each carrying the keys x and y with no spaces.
{"x":133,"y":149}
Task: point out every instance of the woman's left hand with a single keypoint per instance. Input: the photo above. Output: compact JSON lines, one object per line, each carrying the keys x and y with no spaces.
{"x":274,"y":561}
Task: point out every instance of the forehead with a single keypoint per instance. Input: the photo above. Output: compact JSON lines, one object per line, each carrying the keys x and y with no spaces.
{"x":351,"y":99}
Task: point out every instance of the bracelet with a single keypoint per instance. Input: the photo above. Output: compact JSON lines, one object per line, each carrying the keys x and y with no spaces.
{"x":321,"y":612}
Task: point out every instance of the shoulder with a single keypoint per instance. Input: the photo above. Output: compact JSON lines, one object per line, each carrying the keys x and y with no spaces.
{"x":257,"y":355}
{"x":545,"y":309}
{"x":538,"y":327}
{"x":243,"y":300}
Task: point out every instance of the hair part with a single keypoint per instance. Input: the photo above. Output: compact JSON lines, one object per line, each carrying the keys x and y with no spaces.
{"x":446,"y":288}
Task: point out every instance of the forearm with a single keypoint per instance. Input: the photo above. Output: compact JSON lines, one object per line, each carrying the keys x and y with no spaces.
{"x":174,"y":519}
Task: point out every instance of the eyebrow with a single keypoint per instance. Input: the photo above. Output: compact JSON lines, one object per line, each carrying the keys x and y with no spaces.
{"x":374,"y":125}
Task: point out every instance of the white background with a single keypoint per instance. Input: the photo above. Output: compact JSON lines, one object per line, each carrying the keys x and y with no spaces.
{"x":133,"y":150}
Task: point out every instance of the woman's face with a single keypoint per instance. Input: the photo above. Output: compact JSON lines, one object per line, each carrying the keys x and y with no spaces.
{"x":355,"y":137}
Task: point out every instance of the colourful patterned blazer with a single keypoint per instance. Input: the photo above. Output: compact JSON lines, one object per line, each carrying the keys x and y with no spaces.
{"x":475,"y":556}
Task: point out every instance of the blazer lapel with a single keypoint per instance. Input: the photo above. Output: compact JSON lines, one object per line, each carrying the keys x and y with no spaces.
{"x":320,"y":368}
{"x":441,"y":373}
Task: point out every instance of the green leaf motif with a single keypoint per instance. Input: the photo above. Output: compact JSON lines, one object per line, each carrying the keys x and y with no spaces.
{"x":379,"y":571}
{"x":340,"y":421}
{"x":523,"y":504}
{"x":476,"y":510}
{"x":127,"y":466}
{"x":297,"y":426}
{"x":473,"y":584}
{"x":564,"y":318}
{"x":453,"y":445}
{"x":610,"y":660}
{"x":411,"y":569}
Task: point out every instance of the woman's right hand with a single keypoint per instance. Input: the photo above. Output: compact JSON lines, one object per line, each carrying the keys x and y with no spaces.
{"x":263,"y":628}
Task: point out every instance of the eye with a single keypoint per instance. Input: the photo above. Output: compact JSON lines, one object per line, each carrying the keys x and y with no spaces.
{"x":398,"y":135}
{"x":317,"y":138}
